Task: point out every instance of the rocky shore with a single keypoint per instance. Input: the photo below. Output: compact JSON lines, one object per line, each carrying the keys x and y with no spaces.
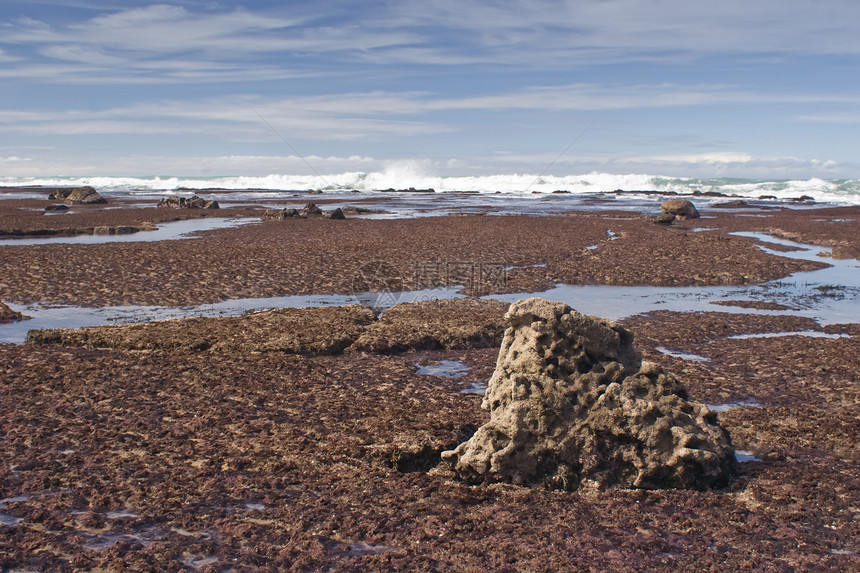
{"x":312,"y":439}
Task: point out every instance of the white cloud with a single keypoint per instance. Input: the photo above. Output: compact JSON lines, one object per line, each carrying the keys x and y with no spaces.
{"x":352,"y":116}
{"x":717,"y":158}
{"x":835,"y":117}
{"x":122,"y":46}
{"x":537,"y":34}
{"x":6,"y":58}
{"x":628,"y":27}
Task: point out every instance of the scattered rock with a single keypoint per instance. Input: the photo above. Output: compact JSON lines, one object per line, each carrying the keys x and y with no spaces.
{"x":571,"y":404}
{"x":56,"y":208}
{"x":193,"y":202}
{"x":698,"y":193}
{"x":77,"y":196}
{"x":731,"y":204}
{"x":311,"y":210}
{"x":410,"y":190}
{"x":121,"y":230}
{"x":662,"y":219}
{"x":352,"y":210}
{"x":803,"y":199}
{"x":681,"y":208}
{"x":9,"y":315}
{"x":279,"y":214}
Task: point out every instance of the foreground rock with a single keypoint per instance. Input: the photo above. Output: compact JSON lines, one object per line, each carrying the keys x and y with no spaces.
{"x":572,"y":404}
{"x":77,"y":196}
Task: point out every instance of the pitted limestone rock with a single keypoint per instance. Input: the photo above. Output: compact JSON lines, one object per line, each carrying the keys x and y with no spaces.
{"x":571,"y":404}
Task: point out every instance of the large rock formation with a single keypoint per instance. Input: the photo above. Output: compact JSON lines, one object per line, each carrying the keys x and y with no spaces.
{"x":572,"y":404}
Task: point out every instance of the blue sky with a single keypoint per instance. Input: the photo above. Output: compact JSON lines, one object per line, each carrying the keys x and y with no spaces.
{"x":752,"y":88}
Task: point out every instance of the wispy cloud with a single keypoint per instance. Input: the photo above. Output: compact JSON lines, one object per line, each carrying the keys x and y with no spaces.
{"x":122,"y":44}
{"x":127,"y":45}
{"x":370,"y":115}
{"x":835,"y":117}
{"x":629,"y":28}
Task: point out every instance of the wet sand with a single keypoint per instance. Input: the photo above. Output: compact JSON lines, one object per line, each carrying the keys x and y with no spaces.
{"x":302,"y":439}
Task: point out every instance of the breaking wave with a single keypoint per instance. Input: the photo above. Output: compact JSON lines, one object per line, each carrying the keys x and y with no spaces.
{"x":838,"y":191}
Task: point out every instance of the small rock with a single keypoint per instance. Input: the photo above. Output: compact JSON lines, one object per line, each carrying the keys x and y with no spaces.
{"x":731,"y":204}
{"x":662,"y":219}
{"x":279,"y":214}
{"x":353,"y":210}
{"x":59,"y":208}
{"x":9,"y":315}
{"x":336,"y":214}
{"x":681,"y":208}
{"x":311,"y":210}
{"x":193,"y":202}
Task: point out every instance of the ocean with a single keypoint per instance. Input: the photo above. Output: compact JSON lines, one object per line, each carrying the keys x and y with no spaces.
{"x":832,"y":191}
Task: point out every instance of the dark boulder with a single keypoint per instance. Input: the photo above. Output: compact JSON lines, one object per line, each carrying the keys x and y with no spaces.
{"x":681,"y":208}
{"x":280,"y":214}
{"x":9,"y":315}
{"x":77,"y":196}
{"x":311,"y":210}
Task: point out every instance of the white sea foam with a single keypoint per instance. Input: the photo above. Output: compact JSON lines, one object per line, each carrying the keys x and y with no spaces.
{"x":403,"y":175}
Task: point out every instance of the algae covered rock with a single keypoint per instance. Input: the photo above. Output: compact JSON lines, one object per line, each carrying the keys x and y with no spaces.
{"x":680,"y":208}
{"x":571,"y":404}
{"x":77,"y":196}
{"x":9,"y":315}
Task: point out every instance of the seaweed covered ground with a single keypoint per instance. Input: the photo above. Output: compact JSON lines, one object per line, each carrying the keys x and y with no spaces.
{"x":305,"y":440}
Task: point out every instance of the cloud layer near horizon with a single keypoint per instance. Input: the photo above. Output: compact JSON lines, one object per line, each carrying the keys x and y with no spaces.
{"x":755,"y":87}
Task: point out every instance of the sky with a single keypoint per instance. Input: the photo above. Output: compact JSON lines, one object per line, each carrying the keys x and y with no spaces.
{"x":765,"y":89}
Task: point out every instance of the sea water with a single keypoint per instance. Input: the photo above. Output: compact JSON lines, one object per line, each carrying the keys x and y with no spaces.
{"x":274,"y":186}
{"x":828,"y":296}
